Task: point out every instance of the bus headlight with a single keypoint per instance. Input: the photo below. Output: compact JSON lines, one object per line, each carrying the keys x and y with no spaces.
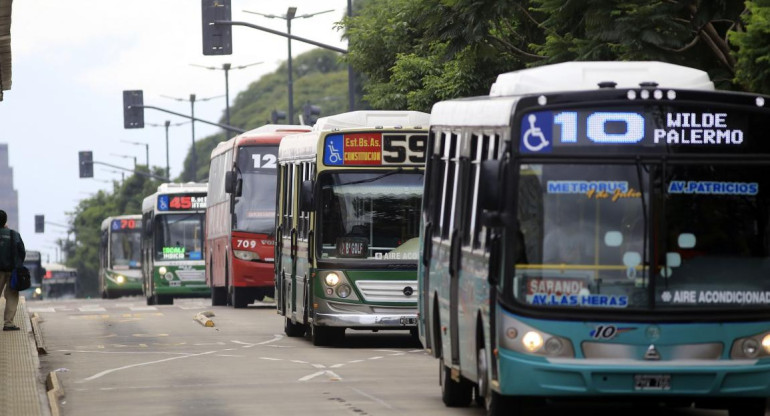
{"x":162,"y":270}
{"x":38,"y":291}
{"x":755,"y":346}
{"x":120,"y":279}
{"x":532,"y":341}
{"x":169,"y":276}
{"x":246,"y":255}
{"x":332,"y":279}
{"x":343,"y":291}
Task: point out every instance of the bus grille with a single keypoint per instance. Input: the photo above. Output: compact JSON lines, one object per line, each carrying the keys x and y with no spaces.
{"x":191,"y":275}
{"x":388,"y":290}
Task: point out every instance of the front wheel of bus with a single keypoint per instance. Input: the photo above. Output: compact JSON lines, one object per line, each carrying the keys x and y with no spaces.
{"x":240,"y":298}
{"x":325,"y":335}
{"x":293,"y":330}
{"x":454,"y":393}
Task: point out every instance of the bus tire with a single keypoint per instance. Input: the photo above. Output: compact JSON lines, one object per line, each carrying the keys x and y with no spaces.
{"x":164,"y":300}
{"x":218,"y":296}
{"x":747,"y":407}
{"x":454,"y":393}
{"x":293,"y":330}
{"x":326,"y":335}
{"x":241,"y":298}
{"x":151,"y":300}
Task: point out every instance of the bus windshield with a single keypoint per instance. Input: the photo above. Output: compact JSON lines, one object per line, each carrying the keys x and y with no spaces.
{"x":255,"y":208}
{"x":179,"y":236}
{"x":372,"y":215}
{"x":125,"y":250}
{"x":589,"y":235}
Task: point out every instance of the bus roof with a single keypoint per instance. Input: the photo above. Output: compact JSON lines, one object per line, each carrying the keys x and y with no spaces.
{"x":107,"y":221}
{"x":578,"y":76}
{"x":495,"y":110}
{"x":268,"y":131}
{"x":372,"y":118}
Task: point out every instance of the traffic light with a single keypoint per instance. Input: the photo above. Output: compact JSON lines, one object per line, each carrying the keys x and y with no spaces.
{"x":39,"y":223}
{"x":277,"y":115}
{"x":217,"y":39}
{"x":86,"y":163}
{"x":133,"y":109}
{"x":310,"y":114}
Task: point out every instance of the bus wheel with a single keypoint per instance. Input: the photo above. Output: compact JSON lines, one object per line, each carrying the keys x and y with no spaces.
{"x":325,"y":335}
{"x":151,"y":300}
{"x":164,"y":300}
{"x":240,"y":298}
{"x":454,"y":393}
{"x":293,"y":330}
{"x":748,"y":407}
{"x":218,"y":296}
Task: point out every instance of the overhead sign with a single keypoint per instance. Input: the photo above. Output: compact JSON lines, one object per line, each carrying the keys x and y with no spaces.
{"x":375,"y":149}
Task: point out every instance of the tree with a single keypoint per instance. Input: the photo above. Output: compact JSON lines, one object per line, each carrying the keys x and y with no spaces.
{"x":752,"y":67}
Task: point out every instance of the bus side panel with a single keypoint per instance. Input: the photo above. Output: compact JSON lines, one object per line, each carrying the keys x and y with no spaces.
{"x":216,"y":239}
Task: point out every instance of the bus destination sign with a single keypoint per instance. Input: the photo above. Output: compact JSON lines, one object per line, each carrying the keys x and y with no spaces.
{"x":375,"y":149}
{"x":125,"y":224}
{"x":548,"y":131}
{"x":181,"y":202}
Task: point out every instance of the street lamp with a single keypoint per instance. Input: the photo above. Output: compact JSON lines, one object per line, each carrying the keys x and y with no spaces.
{"x":227,"y":67}
{"x":167,"y":124}
{"x":291,"y":13}
{"x":192,"y":113}
{"x":125,"y":157}
{"x":146,"y":149}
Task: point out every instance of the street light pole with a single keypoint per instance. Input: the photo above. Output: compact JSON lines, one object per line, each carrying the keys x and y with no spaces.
{"x":146,"y":150}
{"x":291,"y":13}
{"x":226,"y":67}
{"x":168,"y":166}
{"x":192,"y":122}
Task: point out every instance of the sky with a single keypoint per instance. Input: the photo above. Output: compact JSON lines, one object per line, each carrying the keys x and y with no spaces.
{"x":72,"y":61}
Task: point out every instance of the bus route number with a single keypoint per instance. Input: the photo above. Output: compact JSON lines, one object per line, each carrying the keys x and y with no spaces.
{"x":266,"y":161}
{"x":400,"y":148}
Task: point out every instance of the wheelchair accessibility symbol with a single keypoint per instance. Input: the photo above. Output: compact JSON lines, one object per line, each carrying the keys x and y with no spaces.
{"x":334,"y":150}
{"x":334,"y":154}
{"x":533,"y":138}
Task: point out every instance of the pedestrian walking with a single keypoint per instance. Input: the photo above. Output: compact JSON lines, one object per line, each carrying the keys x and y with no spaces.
{"x":12,"y":254}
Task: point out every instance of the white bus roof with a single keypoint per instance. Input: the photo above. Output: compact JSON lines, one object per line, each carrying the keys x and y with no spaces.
{"x":107,"y":221}
{"x":577,"y":76}
{"x":372,"y":118}
{"x":495,"y":110}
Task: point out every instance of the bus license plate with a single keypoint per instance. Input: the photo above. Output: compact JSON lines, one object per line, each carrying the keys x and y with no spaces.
{"x":652,"y":382}
{"x":408,"y":321}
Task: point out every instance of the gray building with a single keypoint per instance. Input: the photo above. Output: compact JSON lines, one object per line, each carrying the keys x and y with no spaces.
{"x":9,"y":198}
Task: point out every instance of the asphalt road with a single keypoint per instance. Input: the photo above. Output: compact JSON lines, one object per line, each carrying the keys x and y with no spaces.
{"x":122,"y":357}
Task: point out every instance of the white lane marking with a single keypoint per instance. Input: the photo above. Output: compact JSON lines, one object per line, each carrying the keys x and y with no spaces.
{"x":126,"y":352}
{"x":199,"y":344}
{"x":143,"y":308}
{"x":375,"y":358}
{"x":336,"y":365}
{"x":229,"y":355}
{"x":314,"y":365}
{"x":270,"y":359}
{"x":250,"y":345}
{"x":33,"y":309}
{"x":369,"y":396}
{"x":105,"y":372}
{"x":311,"y":376}
{"x":355,"y":361}
{"x":94,"y":308}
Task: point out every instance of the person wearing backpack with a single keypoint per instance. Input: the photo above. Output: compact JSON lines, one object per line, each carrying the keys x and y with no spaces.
{"x":11,"y":248}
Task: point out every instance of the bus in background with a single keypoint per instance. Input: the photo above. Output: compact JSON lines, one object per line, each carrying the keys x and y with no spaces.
{"x":172,"y":243}
{"x":240,"y":216}
{"x":59,"y":281}
{"x":599,"y":230}
{"x":120,"y":256}
{"x":348,"y":222}
{"x":36,"y":271}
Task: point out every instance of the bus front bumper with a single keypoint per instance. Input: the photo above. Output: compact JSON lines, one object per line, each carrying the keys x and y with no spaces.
{"x":367,"y":321}
{"x":523,"y":375}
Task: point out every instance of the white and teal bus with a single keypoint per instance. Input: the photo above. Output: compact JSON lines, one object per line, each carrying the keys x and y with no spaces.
{"x":349,"y":197}
{"x":173,"y":221}
{"x":120,"y":256}
{"x":599,"y":230}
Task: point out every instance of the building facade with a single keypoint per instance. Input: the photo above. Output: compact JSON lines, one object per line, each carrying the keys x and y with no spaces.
{"x":9,"y":198}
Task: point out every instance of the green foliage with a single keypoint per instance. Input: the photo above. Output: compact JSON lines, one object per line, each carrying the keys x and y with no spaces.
{"x":126,"y":198}
{"x":318,"y":77}
{"x":752,"y":69}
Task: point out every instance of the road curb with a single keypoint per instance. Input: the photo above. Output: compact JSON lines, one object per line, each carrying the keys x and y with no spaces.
{"x":54,"y":391}
{"x":38,"y":333}
{"x":204,"y":318}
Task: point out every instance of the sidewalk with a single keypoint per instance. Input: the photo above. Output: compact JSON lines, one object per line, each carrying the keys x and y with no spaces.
{"x":22,"y":390}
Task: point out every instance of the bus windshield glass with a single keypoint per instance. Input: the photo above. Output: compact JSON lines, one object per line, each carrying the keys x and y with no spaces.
{"x":255,"y":208}
{"x":372,"y":215}
{"x":647,"y":233}
{"x":125,"y":250}
{"x":179,"y":236}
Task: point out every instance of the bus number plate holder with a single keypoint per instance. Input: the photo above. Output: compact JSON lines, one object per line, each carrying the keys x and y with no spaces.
{"x":405,"y":320}
{"x":652,"y":382}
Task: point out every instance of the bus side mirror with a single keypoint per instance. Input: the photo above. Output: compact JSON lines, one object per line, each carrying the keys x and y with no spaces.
{"x":306,"y":196}
{"x":42,"y":272}
{"x":233,"y":184}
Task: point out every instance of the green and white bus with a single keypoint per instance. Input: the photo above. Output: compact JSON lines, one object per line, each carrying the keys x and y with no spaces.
{"x":349,"y":197}
{"x":120,"y":256}
{"x":600,"y":231}
{"x":173,"y":221}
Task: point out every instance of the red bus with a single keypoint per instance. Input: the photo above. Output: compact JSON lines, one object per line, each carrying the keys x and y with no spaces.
{"x":240,"y":216}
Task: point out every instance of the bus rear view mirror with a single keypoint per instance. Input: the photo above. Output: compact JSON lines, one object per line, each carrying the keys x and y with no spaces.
{"x":306,"y":196}
{"x":230,"y":182}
